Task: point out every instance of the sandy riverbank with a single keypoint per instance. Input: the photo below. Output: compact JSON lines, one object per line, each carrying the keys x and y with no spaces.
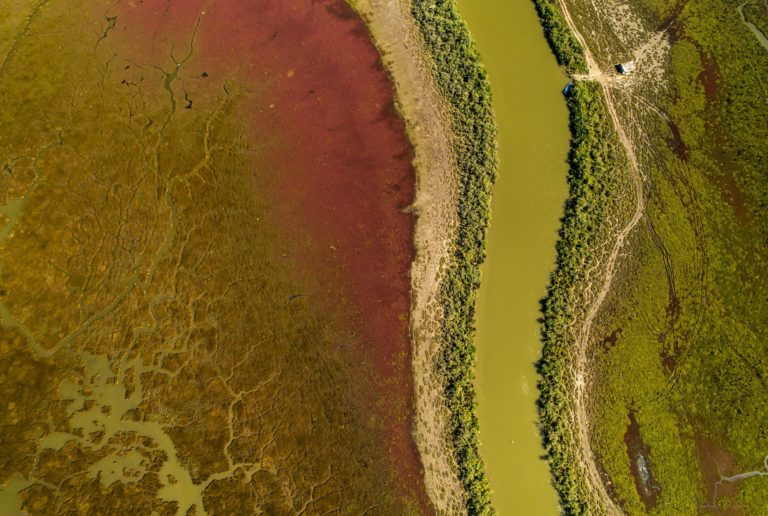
{"x":400,"y":43}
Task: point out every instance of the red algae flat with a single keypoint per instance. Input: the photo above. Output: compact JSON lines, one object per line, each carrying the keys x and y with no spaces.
{"x":343,"y":179}
{"x":247,"y":338}
{"x":342,"y":173}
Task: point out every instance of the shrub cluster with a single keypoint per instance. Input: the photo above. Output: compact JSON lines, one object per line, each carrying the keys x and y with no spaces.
{"x":562,"y":41}
{"x":589,"y":182}
{"x":463,"y":83}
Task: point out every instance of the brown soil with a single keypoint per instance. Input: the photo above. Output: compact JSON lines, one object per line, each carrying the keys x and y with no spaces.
{"x":709,"y":76}
{"x":610,"y":340}
{"x":638,"y":452}
{"x":714,"y":463}
{"x":676,"y":143}
{"x":732,"y":194}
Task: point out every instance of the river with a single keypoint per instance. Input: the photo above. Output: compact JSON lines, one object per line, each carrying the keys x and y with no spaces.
{"x":527,"y":205}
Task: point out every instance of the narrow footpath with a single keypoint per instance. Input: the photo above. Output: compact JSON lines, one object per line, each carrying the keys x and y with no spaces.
{"x":580,"y":372}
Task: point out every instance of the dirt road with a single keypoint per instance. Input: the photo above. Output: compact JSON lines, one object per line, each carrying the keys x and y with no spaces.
{"x":580,"y":372}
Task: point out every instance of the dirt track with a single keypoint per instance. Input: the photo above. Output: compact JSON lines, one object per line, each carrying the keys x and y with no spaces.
{"x":580,"y":372}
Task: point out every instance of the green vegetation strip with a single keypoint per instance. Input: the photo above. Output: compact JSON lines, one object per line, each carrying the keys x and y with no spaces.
{"x":564,"y":44}
{"x":463,"y":83}
{"x":590,"y":182}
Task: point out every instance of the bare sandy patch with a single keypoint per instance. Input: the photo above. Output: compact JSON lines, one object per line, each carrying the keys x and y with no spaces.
{"x":401,"y":45}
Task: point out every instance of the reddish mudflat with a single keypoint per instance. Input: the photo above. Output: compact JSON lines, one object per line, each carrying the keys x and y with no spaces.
{"x":333,"y":157}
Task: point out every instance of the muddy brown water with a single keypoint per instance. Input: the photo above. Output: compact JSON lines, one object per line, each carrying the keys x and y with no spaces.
{"x":527,"y":205}
{"x":638,"y":452}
